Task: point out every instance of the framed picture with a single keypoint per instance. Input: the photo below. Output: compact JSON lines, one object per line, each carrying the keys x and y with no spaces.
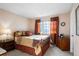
{"x":77,"y":20}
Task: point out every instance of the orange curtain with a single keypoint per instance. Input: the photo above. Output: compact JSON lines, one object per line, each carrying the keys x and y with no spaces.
{"x":37,"y":26}
{"x":38,"y":30}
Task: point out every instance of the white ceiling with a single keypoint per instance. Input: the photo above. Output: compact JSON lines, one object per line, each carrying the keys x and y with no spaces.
{"x":36,"y":9}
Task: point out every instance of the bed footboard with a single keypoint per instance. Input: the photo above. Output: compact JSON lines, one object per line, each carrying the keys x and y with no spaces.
{"x":31,"y":51}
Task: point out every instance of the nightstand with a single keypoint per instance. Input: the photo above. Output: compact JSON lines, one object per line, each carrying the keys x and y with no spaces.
{"x":9,"y":45}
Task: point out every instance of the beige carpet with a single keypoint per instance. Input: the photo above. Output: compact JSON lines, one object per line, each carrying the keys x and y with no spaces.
{"x":52,"y":51}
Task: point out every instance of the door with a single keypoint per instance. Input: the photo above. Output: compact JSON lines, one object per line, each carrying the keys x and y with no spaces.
{"x":74,"y":39}
{"x":54,"y":29}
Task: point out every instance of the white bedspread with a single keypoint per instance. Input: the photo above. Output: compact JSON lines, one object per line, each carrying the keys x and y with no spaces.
{"x":2,"y":51}
{"x":37,"y":37}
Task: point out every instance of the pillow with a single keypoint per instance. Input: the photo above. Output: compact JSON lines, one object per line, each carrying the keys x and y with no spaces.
{"x":23,"y":33}
{"x":29,"y":33}
{"x":18,"y":33}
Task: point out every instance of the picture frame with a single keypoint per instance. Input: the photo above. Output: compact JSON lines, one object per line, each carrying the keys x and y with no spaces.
{"x":77,"y":20}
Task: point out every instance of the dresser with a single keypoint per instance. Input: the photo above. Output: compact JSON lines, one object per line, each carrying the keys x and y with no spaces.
{"x":9,"y":45}
{"x":63,"y":43}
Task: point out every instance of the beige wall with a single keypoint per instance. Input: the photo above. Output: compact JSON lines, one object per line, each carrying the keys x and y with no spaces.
{"x":66,"y":29}
{"x":62,"y":18}
{"x":12,"y":21}
{"x":31,"y":25}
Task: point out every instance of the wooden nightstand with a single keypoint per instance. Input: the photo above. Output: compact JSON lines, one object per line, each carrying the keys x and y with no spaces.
{"x":10,"y":45}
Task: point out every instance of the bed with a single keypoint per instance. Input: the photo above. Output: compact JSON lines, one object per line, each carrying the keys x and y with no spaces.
{"x":2,"y":51}
{"x":35,"y":45}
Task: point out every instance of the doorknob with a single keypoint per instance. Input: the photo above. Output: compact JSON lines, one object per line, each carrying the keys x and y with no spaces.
{"x":72,"y":35}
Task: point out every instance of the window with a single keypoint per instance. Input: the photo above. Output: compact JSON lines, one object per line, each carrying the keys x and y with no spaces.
{"x":45,"y":27}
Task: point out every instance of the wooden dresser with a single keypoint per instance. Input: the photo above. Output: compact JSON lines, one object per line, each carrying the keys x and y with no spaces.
{"x":63,"y":43}
{"x":10,"y":45}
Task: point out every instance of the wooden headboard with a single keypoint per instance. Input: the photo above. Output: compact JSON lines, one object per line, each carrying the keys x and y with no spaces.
{"x":23,"y":33}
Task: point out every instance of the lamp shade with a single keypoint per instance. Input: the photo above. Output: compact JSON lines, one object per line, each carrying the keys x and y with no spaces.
{"x":7,"y":31}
